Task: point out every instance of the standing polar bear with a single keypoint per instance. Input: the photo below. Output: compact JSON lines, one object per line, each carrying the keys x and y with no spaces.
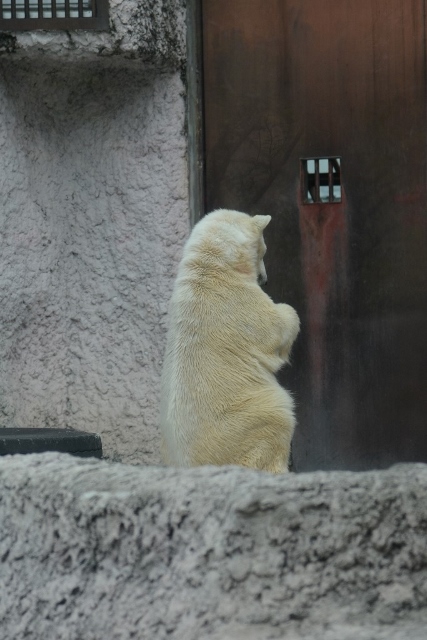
{"x":220,"y":401}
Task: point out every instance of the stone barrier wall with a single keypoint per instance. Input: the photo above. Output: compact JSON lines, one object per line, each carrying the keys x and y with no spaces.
{"x":97,"y":550}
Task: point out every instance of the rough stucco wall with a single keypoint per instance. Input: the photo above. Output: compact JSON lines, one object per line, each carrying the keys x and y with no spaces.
{"x":112,"y":551}
{"x":94,"y":213}
{"x":152,"y":30}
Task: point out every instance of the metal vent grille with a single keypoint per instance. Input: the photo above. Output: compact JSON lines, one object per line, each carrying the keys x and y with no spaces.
{"x":321,"y":180}
{"x":19,"y":15}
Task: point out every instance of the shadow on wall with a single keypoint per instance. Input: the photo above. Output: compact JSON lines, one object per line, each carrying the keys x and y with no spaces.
{"x":93,"y":199}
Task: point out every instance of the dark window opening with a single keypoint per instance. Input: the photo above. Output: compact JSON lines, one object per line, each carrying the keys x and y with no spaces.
{"x":24,"y":15}
{"x":321,"y":180}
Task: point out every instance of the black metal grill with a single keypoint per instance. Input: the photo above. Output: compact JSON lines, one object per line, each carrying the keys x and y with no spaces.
{"x":321,"y":180}
{"x":18,"y":15}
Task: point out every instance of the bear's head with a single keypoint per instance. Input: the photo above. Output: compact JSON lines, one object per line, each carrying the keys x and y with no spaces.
{"x":230,"y":239}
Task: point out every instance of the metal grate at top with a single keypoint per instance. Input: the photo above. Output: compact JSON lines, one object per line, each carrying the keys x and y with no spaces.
{"x":24,"y":15}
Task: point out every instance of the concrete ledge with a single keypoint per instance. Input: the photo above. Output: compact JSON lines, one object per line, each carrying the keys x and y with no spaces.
{"x":150,"y":30}
{"x":94,"y":550}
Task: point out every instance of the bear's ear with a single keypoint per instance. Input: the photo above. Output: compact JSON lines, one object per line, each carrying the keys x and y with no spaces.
{"x":261,"y":221}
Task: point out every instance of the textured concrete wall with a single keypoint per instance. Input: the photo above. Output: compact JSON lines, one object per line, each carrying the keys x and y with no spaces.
{"x":94,"y":213}
{"x":113,"y":551}
{"x":151,"y":30}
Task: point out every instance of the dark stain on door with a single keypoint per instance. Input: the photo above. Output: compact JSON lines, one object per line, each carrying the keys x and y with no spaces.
{"x":291,"y":79}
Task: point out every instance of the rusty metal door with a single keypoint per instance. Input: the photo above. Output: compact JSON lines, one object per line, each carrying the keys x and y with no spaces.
{"x":290,"y":87}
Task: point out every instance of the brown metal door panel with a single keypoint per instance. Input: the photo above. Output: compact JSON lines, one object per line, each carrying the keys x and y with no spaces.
{"x":292,"y":79}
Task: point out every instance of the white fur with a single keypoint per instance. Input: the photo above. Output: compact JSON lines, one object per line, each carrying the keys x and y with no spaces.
{"x":220,"y":400}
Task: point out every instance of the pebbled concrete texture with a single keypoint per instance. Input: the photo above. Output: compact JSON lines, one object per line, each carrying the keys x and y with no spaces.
{"x":150,"y":30}
{"x":114,"y":551}
{"x":94,"y":214}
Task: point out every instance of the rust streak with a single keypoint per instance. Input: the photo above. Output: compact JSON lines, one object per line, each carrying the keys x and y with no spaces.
{"x":324,"y":233}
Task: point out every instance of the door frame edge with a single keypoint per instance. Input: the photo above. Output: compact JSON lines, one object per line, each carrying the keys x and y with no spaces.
{"x":195,"y":120}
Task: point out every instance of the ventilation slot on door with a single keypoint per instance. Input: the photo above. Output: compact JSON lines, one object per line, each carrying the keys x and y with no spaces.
{"x":321,"y":180}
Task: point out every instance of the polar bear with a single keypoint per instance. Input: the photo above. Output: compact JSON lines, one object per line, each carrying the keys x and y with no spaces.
{"x":220,"y":401}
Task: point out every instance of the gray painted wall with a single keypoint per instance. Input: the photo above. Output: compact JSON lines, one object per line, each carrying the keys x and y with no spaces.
{"x":93,"y":216}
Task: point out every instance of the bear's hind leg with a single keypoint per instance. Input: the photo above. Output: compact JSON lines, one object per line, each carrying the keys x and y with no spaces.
{"x":263,"y":458}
